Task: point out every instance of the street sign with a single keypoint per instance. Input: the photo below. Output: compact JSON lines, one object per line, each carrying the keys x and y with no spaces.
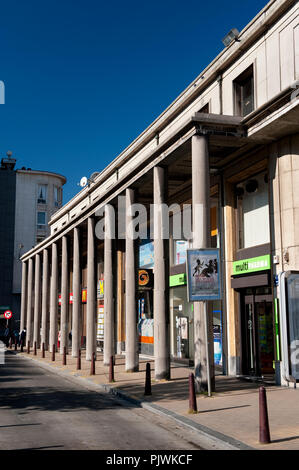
{"x":7,"y":314}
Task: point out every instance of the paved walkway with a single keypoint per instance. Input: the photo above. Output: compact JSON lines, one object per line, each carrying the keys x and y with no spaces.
{"x":231,"y":414}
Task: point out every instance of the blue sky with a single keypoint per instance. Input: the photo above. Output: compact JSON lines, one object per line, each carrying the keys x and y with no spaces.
{"x":85,"y":78}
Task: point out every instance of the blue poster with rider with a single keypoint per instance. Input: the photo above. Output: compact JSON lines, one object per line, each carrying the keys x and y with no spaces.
{"x":203,"y":276}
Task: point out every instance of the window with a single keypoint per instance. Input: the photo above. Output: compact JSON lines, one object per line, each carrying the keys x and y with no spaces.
{"x":244,"y":93}
{"x":57,"y":196}
{"x":42,"y":194}
{"x":253,"y":212}
{"x":41,"y":219}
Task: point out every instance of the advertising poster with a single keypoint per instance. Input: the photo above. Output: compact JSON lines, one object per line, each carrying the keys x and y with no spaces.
{"x":203,"y":277}
{"x":146,"y":255}
{"x":100,"y":332}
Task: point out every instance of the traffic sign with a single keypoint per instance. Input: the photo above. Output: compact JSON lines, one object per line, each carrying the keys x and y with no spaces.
{"x":7,"y":314}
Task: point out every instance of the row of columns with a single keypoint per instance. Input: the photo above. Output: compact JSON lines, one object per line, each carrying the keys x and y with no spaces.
{"x":200,"y":195}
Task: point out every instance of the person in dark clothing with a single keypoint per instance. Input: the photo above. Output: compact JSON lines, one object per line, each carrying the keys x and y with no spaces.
{"x":22,"y":338}
{"x":6,"y":337}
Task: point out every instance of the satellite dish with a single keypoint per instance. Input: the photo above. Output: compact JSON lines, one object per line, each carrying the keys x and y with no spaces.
{"x":83,"y":182}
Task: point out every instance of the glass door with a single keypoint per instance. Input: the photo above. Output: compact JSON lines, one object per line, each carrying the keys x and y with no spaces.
{"x":265,"y":337}
{"x":258,"y":339}
{"x":249,"y":345}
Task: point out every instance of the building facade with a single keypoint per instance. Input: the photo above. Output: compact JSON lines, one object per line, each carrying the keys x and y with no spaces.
{"x":28,"y":200}
{"x":228,"y":145}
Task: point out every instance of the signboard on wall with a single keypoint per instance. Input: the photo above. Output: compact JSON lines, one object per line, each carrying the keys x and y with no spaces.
{"x":100,"y":289}
{"x":84,"y":296}
{"x":251,"y":265}
{"x":100,"y":331}
{"x":203,"y":276}
{"x":145,"y":278}
{"x":178,"y":280}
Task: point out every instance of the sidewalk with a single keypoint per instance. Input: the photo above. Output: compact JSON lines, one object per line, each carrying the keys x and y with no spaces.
{"x":230,"y":416}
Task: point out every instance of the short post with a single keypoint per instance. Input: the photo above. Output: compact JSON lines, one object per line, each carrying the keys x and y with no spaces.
{"x":10,"y":342}
{"x":28,"y":347}
{"x":22,"y":345}
{"x":111,"y":370}
{"x":92,"y":365}
{"x":192,"y":396}
{"x":35,"y":352}
{"x":64,"y":356}
{"x":16,"y":344}
{"x":264,"y":421}
{"x":43,"y":350}
{"x":53,"y":352}
{"x":148,"y":387}
{"x":79,"y":360}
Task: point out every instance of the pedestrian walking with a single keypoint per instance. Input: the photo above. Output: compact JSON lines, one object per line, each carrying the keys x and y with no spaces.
{"x":22,"y":337}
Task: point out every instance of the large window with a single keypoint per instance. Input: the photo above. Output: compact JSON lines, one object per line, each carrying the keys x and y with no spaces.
{"x":253,"y":212}
{"x":41,"y":220}
{"x":42,"y":194}
{"x":57,"y":196}
{"x":244,"y":93}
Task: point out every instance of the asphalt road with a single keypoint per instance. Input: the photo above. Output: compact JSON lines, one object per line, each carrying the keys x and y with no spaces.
{"x":42,"y":410}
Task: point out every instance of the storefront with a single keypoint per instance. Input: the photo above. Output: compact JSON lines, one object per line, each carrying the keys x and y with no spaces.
{"x":252,"y":280}
{"x":145,"y":298}
{"x":181,"y":319}
{"x":182,"y":326}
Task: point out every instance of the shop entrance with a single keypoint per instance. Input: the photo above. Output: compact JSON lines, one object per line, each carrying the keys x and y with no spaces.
{"x":258,"y":339}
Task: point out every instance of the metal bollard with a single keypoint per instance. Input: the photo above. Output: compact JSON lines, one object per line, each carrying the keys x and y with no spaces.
{"x":111,"y":369}
{"x":35,"y":351}
{"x":16,"y":344}
{"x":43,"y":350}
{"x":92,"y":365}
{"x":79,"y":360}
{"x":64,"y":356}
{"x":148,"y":387}
{"x":53,"y":352}
{"x":192,"y":395}
{"x":264,"y":421}
{"x":28,"y":347}
{"x":22,"y":346}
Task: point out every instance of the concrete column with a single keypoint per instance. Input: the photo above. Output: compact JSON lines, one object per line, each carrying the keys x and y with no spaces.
{"x":23,"y":296}
{"x":91,"y":290}
{"x":108,"y":288}
{"x":37,"y":303}
{"x":45,"y":299}
{"x":132,"y":359}
{"x":76,"y":339}
{"x":201,"y":239}
{"x":64,"y":295}
{"x":161,"y":281}
{"x":29,"y":301}
{"x":53,"y":297}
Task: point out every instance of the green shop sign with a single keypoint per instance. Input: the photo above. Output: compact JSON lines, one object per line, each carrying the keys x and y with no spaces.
{"x":251,"y":265}
{"x":178,"y":280}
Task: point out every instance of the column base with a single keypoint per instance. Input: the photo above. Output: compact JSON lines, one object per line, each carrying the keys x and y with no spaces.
{"x":162,"y":377}
{"x":134,"y":369}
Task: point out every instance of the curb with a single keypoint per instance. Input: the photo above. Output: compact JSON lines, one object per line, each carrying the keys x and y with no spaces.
{"x":213,"y":438}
